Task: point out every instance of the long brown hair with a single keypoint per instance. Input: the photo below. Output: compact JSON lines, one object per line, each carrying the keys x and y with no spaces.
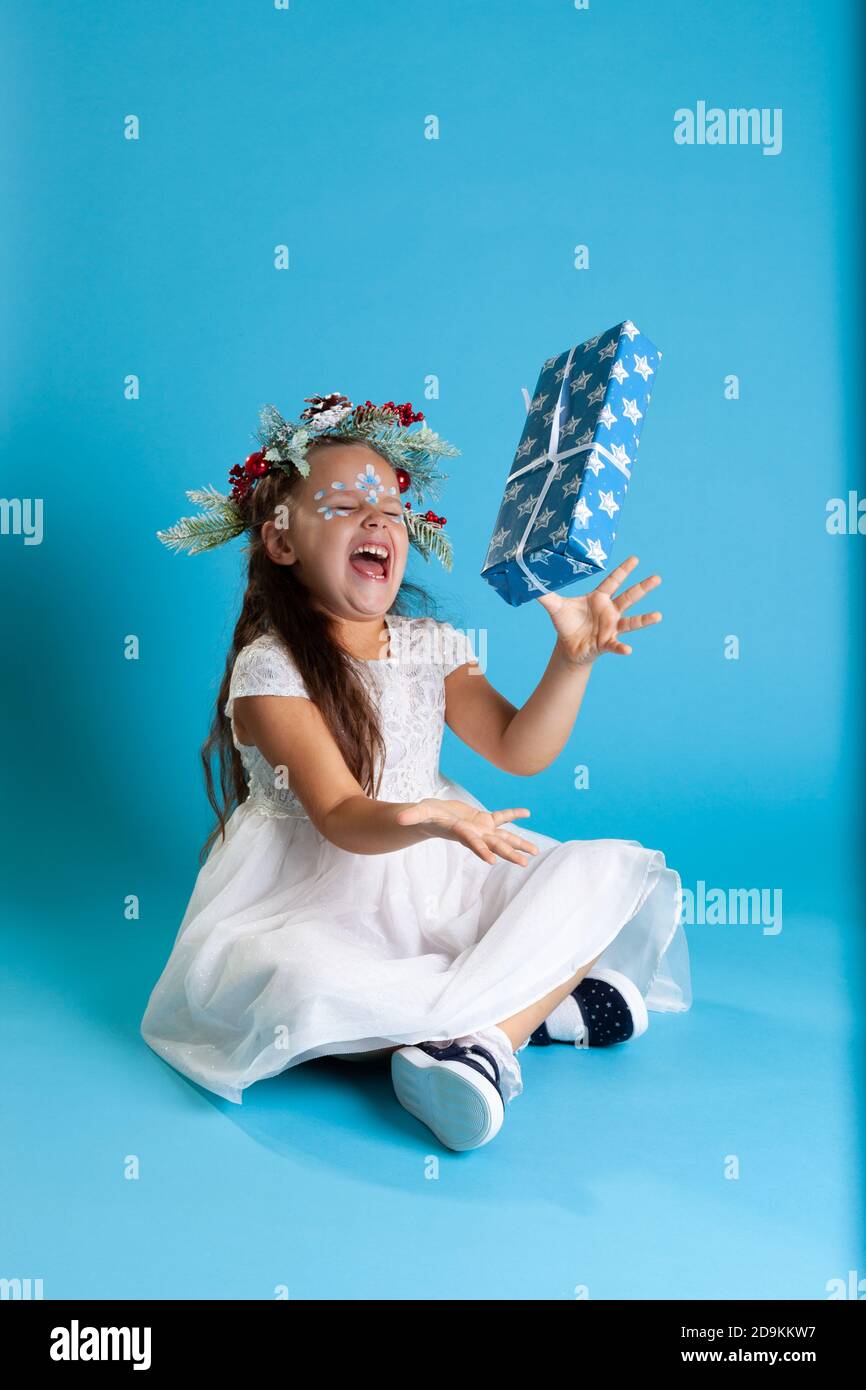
{"x":276,"y":600}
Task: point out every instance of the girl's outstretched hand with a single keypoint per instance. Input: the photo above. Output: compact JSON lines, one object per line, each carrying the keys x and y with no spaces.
{"x":591,"y":624}
{"x":476,"y":829}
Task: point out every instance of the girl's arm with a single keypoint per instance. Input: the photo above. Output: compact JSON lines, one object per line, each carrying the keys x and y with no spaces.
{"x":291,"y":734}
{"x":527,"y":740}
{"x":520,"y":741}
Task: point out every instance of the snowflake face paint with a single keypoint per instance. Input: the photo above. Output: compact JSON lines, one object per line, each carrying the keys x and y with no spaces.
{"x":373,"y":488}
{"x":331,"y":511}
{"x":371,"y":484}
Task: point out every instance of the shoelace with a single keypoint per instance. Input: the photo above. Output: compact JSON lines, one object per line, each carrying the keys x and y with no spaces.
{"x":457,"y":1052}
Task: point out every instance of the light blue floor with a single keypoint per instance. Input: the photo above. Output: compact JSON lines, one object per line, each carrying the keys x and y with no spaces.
{"x":609,"y":1172}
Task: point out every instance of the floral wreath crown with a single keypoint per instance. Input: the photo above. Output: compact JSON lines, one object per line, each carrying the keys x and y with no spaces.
{"x":283,"y":445}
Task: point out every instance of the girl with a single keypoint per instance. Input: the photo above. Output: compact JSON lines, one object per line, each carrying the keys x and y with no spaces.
{"x":352,"y":900}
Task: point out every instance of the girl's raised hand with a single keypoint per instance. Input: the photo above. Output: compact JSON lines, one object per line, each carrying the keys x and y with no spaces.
{"x":476,"y":829}
{"x":591,"y":624}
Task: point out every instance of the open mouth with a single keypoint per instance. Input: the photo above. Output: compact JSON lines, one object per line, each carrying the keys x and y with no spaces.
{"x":371,"y":561}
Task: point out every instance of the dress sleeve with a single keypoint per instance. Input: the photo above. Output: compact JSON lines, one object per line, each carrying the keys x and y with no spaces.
{"x":264,"y":667}
{"x":456,"y":648}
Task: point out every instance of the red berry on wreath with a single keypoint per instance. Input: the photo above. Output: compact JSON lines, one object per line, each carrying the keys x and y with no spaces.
{"x":256,"y":465}
{"x":403,"y":479}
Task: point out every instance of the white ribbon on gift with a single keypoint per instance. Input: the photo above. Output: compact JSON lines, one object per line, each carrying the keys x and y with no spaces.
{"x":555,"y":459}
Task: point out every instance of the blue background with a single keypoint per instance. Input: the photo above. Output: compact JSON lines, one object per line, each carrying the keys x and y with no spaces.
{"x":452,"y":257}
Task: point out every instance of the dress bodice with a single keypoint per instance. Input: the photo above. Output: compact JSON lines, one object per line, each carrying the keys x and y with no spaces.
{"x":407,"y":686}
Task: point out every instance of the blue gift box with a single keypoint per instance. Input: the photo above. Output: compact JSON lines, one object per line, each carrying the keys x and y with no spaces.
{"x":571,"y":471}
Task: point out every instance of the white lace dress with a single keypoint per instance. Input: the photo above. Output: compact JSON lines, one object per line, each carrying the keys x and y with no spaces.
{"x":291,"y":948}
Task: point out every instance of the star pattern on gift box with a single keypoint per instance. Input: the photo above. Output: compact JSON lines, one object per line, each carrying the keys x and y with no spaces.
{"x":573,"y":486}
{"x":576,"y":453}
{"x":620,"y":456}
{"x":594,"y":551}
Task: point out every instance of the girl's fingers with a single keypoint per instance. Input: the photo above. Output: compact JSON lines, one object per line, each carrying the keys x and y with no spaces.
{"x":476,"y":843}
{"x":619,"y":648}
{"x":506,"y":851}
{"x":486,"y":843}
{"x":517,"y":847}
{"x":488,"y":848}
{"x":552,"y":602}
{"x":518,"y":842}
{"x":512,"y":813}
{"x":615,"y":578}
{"x":636,"y":591}
{"x":639,"y":620}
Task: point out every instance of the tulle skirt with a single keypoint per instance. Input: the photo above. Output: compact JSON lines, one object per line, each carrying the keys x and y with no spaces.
{"x":291,"y":948}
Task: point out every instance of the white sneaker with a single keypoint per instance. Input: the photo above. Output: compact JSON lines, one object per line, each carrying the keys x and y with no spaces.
{"x":453,"y":1092}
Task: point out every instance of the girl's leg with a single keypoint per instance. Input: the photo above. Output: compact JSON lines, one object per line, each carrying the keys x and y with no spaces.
{"x":520,"y":1026}
{"x":517,"y":1028}
{"x":506,"y":1039}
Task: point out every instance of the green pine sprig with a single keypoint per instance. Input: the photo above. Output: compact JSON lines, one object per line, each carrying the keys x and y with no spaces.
{"x":429,"y":539}
{"x":220,"y":520}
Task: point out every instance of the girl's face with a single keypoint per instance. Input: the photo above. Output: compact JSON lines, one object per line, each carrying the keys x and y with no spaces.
{"x":350,"y":501}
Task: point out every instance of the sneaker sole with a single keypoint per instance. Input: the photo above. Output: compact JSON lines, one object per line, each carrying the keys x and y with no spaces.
{"x":462,"y":1109}
{"x":632,"y":996}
